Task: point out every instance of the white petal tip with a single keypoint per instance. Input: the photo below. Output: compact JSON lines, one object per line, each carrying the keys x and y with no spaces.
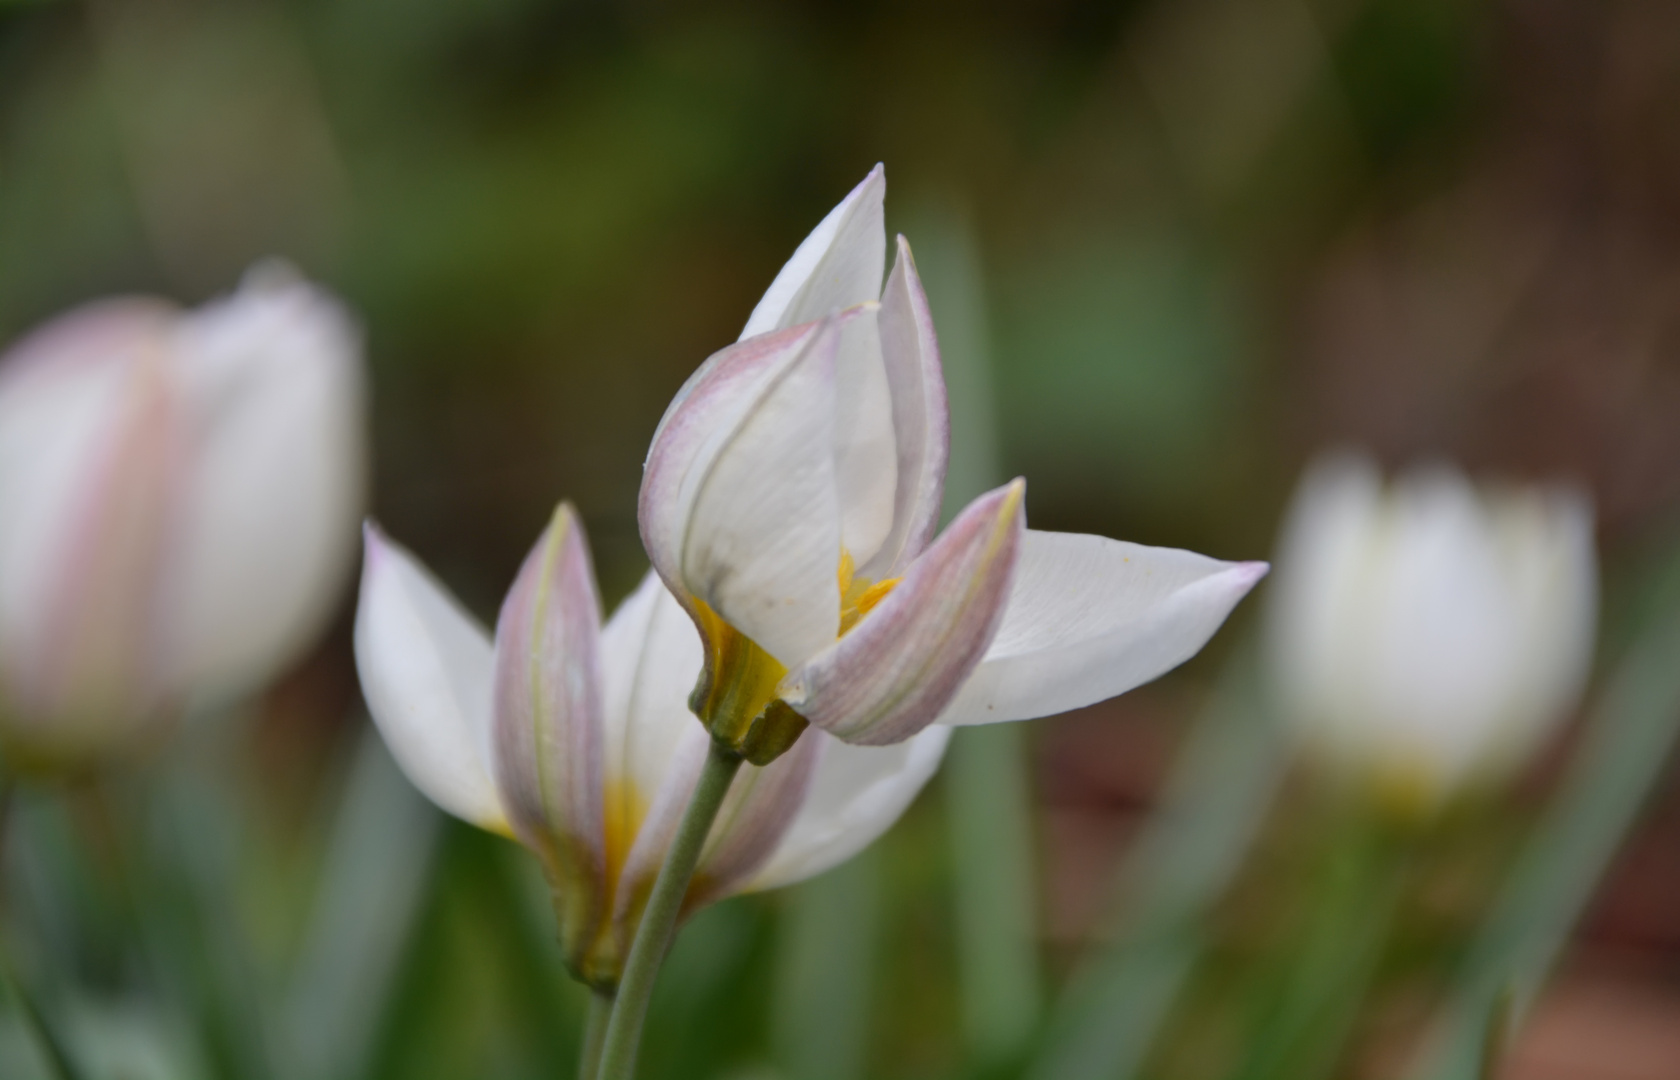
{"x":375,"y":542}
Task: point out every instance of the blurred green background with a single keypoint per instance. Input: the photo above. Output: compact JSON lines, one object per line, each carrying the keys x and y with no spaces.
{"x":1172,"y":247}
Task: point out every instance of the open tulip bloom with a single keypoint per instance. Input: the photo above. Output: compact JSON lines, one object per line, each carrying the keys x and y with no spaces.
{"x":179,"y":492}
{"x":577,"y":740}
{"x":789,"y":506}
{"x":790,"y":501}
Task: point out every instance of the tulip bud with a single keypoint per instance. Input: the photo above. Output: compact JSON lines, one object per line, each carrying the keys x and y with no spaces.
{"x":178,"y":499}
{"x":1429,"y":633}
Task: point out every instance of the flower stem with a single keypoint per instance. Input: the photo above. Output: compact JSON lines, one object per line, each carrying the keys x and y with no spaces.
{"x":47,"y":1043}
{"x":594,"y":1033}
{"x":659,"y":918}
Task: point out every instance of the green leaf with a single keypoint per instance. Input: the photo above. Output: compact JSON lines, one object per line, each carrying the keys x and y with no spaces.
{"x":377,"y":870}
{"x":825,"y":972}
{"x":1226,"y":776}
{"x":1631,"y":737}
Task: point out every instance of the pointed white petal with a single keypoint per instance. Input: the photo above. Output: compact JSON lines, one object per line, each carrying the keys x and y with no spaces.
{"x":865,"y":447}
{"x":897,"y":669}
{"x":857,"y":793}
{"x":425,"y":667}
{"x":738,"y":504}
{"x":920,"y":419}
{"x":1089,"y":618}
{"x":837,"y":266}
{"x":547,"y":719}
{"x":272,"y":382}
{"x":650,"y":659}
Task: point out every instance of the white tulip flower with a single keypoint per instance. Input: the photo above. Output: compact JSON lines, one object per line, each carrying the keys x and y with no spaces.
{"x":790,"y":501}
{"x":1426,"y":634}
{"x":577,"y":740}
{"x":179,"y":492}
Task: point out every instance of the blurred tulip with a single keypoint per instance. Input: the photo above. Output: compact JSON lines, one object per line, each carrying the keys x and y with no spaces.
{"x":790,"y":501}
{"x":1430,"y":633}
{"x":178,"y":498}
{"x":577,"y":740}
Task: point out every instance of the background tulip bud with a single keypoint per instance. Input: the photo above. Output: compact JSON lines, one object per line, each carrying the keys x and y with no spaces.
{"x":179,"y":493}
{"x":1426,"y":632}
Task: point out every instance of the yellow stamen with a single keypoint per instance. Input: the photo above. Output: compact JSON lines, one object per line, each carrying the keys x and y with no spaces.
{"x":858,"y":596}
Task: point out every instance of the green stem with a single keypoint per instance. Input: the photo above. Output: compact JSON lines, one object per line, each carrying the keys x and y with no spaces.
{"x":46,"y":1042}
{"x":594,"y":1033}
{"x":659,"y":918}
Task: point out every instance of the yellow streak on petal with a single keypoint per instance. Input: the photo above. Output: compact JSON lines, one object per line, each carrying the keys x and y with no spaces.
{"x":622,"y":816}
{"x":739,"y":680}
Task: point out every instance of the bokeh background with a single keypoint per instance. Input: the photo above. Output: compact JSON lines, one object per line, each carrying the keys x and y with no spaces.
{"x":1173,"y":248}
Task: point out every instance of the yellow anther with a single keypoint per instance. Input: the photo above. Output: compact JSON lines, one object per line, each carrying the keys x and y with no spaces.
{"x":858,"y":596}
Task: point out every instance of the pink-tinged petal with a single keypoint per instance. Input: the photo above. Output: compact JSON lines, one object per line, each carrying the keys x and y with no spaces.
{"x":856,"y":794}
{"x":865,"y":446}
{"x":272,"y":383}
{"x":425,"y":666}
{"x":762,"y":804}
{"x":547,"y":722}
{"x":90,"y":455}
{"x":836,"y":267}
{"x":1089,"y":618}
{"x":895,"y":672}
{"x":738,"y":505}
{"x":761,"y":807}
{"x":920,"y":418}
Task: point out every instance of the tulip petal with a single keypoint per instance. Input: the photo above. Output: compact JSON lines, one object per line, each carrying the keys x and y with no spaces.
{"x":762,"y":805}
{"x":836,"y":267}
{"x":1316,"y":608}
{"x":650,"y":658}
{"x":920,"y":419}
{"x":856,"y":794}
{"x":895,"y":672}
{"x":738,"y":505}
{"x":89,"y":455}
{"x":272,"y":381}
{"x":426,"y":671}
{"x":1089,"y":618}
{"x":547,"y":721}
{"x":1554,"y":577}
{"x":865,"y":446}
{"x":1442,"y":669}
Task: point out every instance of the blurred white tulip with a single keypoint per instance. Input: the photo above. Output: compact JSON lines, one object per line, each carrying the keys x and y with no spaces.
{"x":1428,"y":634}
{"x":179,"y":494}
{"x":576,"y":738}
